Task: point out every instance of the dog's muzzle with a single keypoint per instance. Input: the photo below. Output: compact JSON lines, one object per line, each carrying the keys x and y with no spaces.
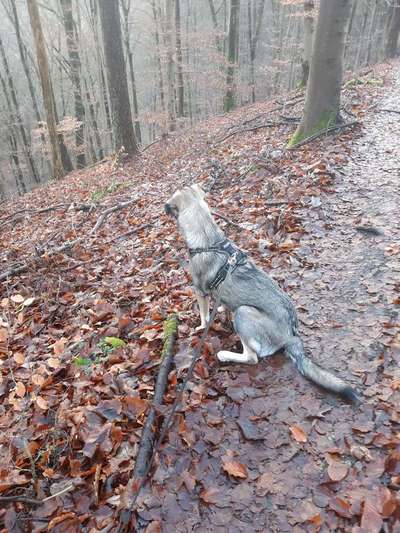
{"x":170,"y":210}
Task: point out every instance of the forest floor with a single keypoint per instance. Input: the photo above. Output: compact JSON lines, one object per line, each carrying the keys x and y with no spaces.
{"x":253,"y":448}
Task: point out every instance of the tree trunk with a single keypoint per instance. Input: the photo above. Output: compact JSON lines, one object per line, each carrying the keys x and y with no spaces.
{"x":322,"y":104}
{"x":308,"y":40}
{"x":17,"y":118}
{"x":254,"y":20}
{"x":124,"y":135}
{"x":93,"y":118}
{"x":158,"y":55}
{"x":75,"y":74}
{"x":168,"y":25}
{"x":125,"y":10}
{"x":232,"y":57}
{"x":179,"y":61}
{"x":58,"y":169}
{"x":394,"y":31}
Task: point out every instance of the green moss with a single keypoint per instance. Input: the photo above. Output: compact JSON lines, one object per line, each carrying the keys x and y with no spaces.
{"x":327,"y":120}
{"x":170,"y":329}
{"x":114,"y":342}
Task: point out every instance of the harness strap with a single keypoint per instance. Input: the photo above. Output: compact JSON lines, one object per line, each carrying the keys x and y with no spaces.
{"x":235,"y":257}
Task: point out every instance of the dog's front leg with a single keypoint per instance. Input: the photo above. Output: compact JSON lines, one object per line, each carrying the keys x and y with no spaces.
{"x":204,"y":308}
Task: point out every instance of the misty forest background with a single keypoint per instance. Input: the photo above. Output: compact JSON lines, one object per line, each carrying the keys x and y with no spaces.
{"x":185,"y":60}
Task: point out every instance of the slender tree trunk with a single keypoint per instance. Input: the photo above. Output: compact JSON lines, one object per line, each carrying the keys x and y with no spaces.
{"x":215,"y":25}
{"x":394,"y":31}
{"x":308,"y":40}
{"x":93,"y":116}
{"x":58,"y":169}
{"x":347,"y":46}
{"x":161,"y":93}
{"x":16,"y":113}
{"x":361,"y":40}
{"x":179,"y":61}
{"x":12,"y":139}
{"x":124,"y":135}
{"x":75,"y":74}
{"x":254,"y":20}
{"x":371,"y":33}
{"x":168,"y":41}
{"x":94,"y":15}
{"x":126,"y":6}
{"x":322,"y":104}
{"x":232,"y":57}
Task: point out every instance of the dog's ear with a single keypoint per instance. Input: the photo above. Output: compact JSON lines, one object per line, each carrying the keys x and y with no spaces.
{"x":198,"y":189}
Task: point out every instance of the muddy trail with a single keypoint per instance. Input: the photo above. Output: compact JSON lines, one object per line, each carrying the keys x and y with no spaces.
{"x":252,"y":448}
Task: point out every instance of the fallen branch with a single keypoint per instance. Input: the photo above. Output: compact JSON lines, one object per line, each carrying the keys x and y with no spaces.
{"x":19,"y":269}
{"x":227,"y":220}
{"x":68,"y":207}
{"x":338,"y":127}
{"x":147,"y":439}
{"x":253,"y":128}
{"x":20,"y":499}
{"x":390,"y":111}
{"x":104,"y":215}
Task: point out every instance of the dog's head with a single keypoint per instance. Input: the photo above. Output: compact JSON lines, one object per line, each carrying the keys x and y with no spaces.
{"x":185,"y":198}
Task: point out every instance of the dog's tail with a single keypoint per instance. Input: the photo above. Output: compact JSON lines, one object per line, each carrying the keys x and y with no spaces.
{"x":317,"y":374}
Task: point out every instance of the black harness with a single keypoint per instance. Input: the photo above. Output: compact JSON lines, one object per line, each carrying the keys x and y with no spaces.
{"x":234,"y":258}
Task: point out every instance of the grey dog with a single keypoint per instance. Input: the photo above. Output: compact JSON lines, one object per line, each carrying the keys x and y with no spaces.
{"x":264,"y":317}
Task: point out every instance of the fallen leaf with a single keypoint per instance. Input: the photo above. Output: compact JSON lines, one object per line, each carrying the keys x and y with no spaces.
{"x":337,"y":471}
{"x":19,"y":358}
{"x":53,"y":362}
{"x":298,"y":433}
{"x":59,"y":347}
{"x":17,"y":298}
{"x":42,"y":403}
{"x":28,"y":301}
{"x":3,"y":334}
{"x":210,"y":495}
{"x":20,"y":389}
{"x":235,"y":469}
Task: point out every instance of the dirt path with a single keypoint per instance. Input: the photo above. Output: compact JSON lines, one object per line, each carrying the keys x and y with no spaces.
{"x":255,"y":419}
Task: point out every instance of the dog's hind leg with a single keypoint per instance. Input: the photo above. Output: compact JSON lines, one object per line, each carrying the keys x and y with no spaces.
{"x":248,"y":356}
{"x":259,"y":336}
{"x":204,"y":308}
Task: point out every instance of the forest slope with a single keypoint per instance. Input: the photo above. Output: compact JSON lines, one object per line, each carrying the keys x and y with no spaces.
{"x":253,"y":447}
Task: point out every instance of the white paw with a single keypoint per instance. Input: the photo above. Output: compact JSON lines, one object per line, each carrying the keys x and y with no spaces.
{"x":224,"y":356}
{"x":201,"y":327}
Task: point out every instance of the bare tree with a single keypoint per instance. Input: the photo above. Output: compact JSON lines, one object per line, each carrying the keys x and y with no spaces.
{"x":126,"y":7}
{"x":322,"y":104}
{"x":179,"y":61}
{"x":308,"y":40}
{"x":47,"y":90}
{"x":75,"y":75}
{"x":122,"y":124}
{"x":168,"y":42}
{"x":233,"y":50}
{"x":393,"y":31}
{"x":254,"y":20}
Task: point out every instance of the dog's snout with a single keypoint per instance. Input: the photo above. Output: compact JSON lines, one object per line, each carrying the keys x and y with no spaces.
{"x":168,"y":209}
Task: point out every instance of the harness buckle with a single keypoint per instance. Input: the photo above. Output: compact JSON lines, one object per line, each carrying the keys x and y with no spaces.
{"x":232,"y":259}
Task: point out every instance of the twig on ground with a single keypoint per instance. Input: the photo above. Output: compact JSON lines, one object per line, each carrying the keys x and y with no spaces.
{"x":146,"y":446}
{"x":338,"y":127}
{"x":253,"y":128}
{"x":390,"y":111}
{"x":20,"y":499}
{"x":104,"y":215}
{"x":227,"y":220}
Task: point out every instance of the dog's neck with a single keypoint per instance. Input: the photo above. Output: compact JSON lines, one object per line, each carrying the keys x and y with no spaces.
{"x":199,"y":228}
